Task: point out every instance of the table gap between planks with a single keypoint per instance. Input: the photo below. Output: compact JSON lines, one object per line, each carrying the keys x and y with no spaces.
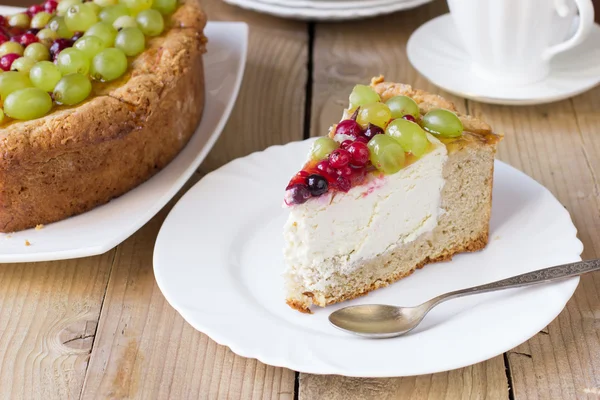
{"x":98,"y":327}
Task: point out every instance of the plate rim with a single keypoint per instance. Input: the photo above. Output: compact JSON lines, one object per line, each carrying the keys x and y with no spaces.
{"x":255,"y":351}
{"x":242,"y":30}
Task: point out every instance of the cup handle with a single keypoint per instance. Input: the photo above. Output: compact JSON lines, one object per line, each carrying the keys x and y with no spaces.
{"x":586,"y":23}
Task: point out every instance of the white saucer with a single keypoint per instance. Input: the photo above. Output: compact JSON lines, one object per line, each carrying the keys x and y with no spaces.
{"x":102,"y":228}
{"x":436,"y":51}
{"x":310,"y":10}
{"x":218,"y":260}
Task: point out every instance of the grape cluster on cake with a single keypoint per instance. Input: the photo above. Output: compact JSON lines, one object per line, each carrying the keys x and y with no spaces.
{"x":52,"y":53}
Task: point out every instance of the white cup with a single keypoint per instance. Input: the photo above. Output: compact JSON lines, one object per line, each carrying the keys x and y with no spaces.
{"x":512,"y":41}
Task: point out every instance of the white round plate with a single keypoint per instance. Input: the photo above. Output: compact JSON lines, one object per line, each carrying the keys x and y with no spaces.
{"x":436,"y":51}
{"x":218,"y":261}
{"x":352,"y":11}
{"x":102,"y":228}
{"x":331,"y":4}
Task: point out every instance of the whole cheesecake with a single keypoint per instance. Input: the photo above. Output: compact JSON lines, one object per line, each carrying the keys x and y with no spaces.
{"x":403,"y":180}
{"x":76,"y":158}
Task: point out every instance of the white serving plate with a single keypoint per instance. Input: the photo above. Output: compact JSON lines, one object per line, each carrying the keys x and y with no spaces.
{"x":218,"y":261}
{"x":102,"y":228}
{"x":352,"y":10}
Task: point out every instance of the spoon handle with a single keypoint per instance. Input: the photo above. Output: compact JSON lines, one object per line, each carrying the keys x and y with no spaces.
{"x":529,"y":278}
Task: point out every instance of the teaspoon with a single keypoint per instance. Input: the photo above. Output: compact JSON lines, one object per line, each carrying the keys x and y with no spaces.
{"x":385,"y":321}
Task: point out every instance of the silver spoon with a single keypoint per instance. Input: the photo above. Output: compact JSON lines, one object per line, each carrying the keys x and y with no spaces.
{"x":384,"y":321}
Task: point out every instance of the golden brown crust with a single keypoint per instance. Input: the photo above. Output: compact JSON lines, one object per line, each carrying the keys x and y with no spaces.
{"x":473,"y":245}
{"x":77,"y":158}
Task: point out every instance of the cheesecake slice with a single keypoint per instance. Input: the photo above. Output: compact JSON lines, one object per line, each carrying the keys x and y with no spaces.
{"x":401,"y":181}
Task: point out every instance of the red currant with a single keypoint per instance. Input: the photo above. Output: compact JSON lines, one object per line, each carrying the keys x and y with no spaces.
{"x":26,"y":39}
{"x":339,"y":158}
{"x":36,"y":8}
{"x":372,"y":130}
{"x":345,"y":171}
{"x":297,"y":194}
{"x":3,"y":38}
{"x":325,"y":169}
{"x":345,"y":144}
{"x":359,"y":153}
{"x":343,"y":184}
{"x":50,"y":6}
{"x":7,"y":60}
{"x":409,"y":117}
{"x":349,"y":127}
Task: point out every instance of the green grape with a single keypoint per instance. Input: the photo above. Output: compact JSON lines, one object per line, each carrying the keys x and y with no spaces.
{"x":111,"y":13}
{"x":106,"y":3}
{"x":90,"y":46}
{"x":19,"y":21}
{"x":40,"y":20}
{"x":72,"y":89}
{"x":443,"y":123}
{"x":411,"y":137}
{"x":109,"y":65}
{"x":151,"y":22}
{"x":71,"y":60}
{"x":80,"y":17}
{"x":165,"y":7}
{"x":322,"y":147}
{"x":26,"y":104}
{"x":362,"y":95}
{"x":64,"y":5}
{"x":37,"y":52}
{"x":23,"y":64}
{"x":104,"y":32}
{"x":125,"y":21}
{"x":45,"y":75}
{"x":375,"y":113}
{"x":403,"y":105}
{"x":58,"y":25}
{"x":11,"y":48}
{"x":94,"y":7}
{"x":137,"y":5}
{"x":386,"y":154}
{"x":1,"y":115}
{"x":131,"y":40}
{"x":11,"y":81}
{"x":46,"y":36}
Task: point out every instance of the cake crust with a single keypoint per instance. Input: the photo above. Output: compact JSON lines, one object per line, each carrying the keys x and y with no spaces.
{"x":75,"y":159}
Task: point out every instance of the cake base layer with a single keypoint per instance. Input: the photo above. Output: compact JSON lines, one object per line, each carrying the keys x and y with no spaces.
{"x":463,"y":226}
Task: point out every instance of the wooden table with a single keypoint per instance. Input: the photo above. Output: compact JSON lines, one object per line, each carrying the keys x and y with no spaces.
{"x":99,"y":327}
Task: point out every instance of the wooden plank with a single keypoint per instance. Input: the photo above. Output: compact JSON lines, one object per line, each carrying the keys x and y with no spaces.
{"x":48,"y":317}
{"x":144,"y":349}
{"x":486,"y":380}
{"x":270,"y":106}
{"x":559,"y":146}
{"x":346,"y":54}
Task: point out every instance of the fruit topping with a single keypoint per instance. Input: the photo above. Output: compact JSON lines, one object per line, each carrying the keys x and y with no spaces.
{"x":374,"y":113}
{"x":348,"y":127}
{"x":322,"y":147}
{"x":317,"y":185}
{"x":443,"y":123}
{"x":359,"y":153}
{"x":382,"y":137}
{"x":403,"y":105}
{"x":60,"y":48}
{"x":362,"y":95}
{"x":371,"y":131}
{"x":339,"y":158}
{"x":409,"y":135}
{"x":387,"y":155}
